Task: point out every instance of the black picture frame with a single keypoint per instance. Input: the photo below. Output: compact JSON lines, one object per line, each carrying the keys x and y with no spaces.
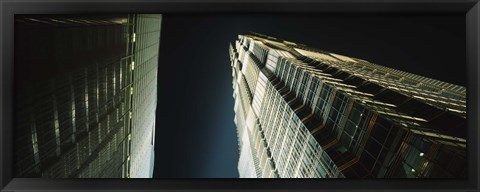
{"x":8,"y":9}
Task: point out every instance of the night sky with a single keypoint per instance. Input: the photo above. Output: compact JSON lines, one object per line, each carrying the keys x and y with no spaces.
{"x":196,"y":135}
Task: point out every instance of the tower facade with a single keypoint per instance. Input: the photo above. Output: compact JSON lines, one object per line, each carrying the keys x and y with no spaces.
{"x":301,"y":112}
{"x":86,"y":95}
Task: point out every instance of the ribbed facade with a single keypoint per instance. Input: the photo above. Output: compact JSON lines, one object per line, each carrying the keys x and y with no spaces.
{"x":86,"y":95}
{"x":145,"y":55}
{"x":301,"y":112}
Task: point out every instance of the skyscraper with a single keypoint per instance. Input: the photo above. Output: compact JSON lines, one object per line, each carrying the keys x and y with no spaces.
{"x":86,"y":95}
{"x":303,"y":112}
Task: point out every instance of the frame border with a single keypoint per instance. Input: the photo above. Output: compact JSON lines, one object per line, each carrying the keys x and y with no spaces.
{"x":8,"y":8}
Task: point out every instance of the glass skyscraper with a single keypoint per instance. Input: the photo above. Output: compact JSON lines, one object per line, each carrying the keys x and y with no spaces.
{"x":301,"y":112}
{"x":86,"y":94}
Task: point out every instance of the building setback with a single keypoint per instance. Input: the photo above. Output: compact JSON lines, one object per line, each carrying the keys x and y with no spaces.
{"x":301,"y":112}
{"x":86,"y":89}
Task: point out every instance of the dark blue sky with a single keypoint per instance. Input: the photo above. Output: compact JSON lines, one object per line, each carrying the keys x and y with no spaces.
{"x":195,"y":134}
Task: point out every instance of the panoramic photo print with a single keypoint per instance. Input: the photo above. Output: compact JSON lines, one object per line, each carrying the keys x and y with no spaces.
{"x":239,"y":96}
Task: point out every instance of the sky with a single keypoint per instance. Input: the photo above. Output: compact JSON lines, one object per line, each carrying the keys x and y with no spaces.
{"x":195,"y":133}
